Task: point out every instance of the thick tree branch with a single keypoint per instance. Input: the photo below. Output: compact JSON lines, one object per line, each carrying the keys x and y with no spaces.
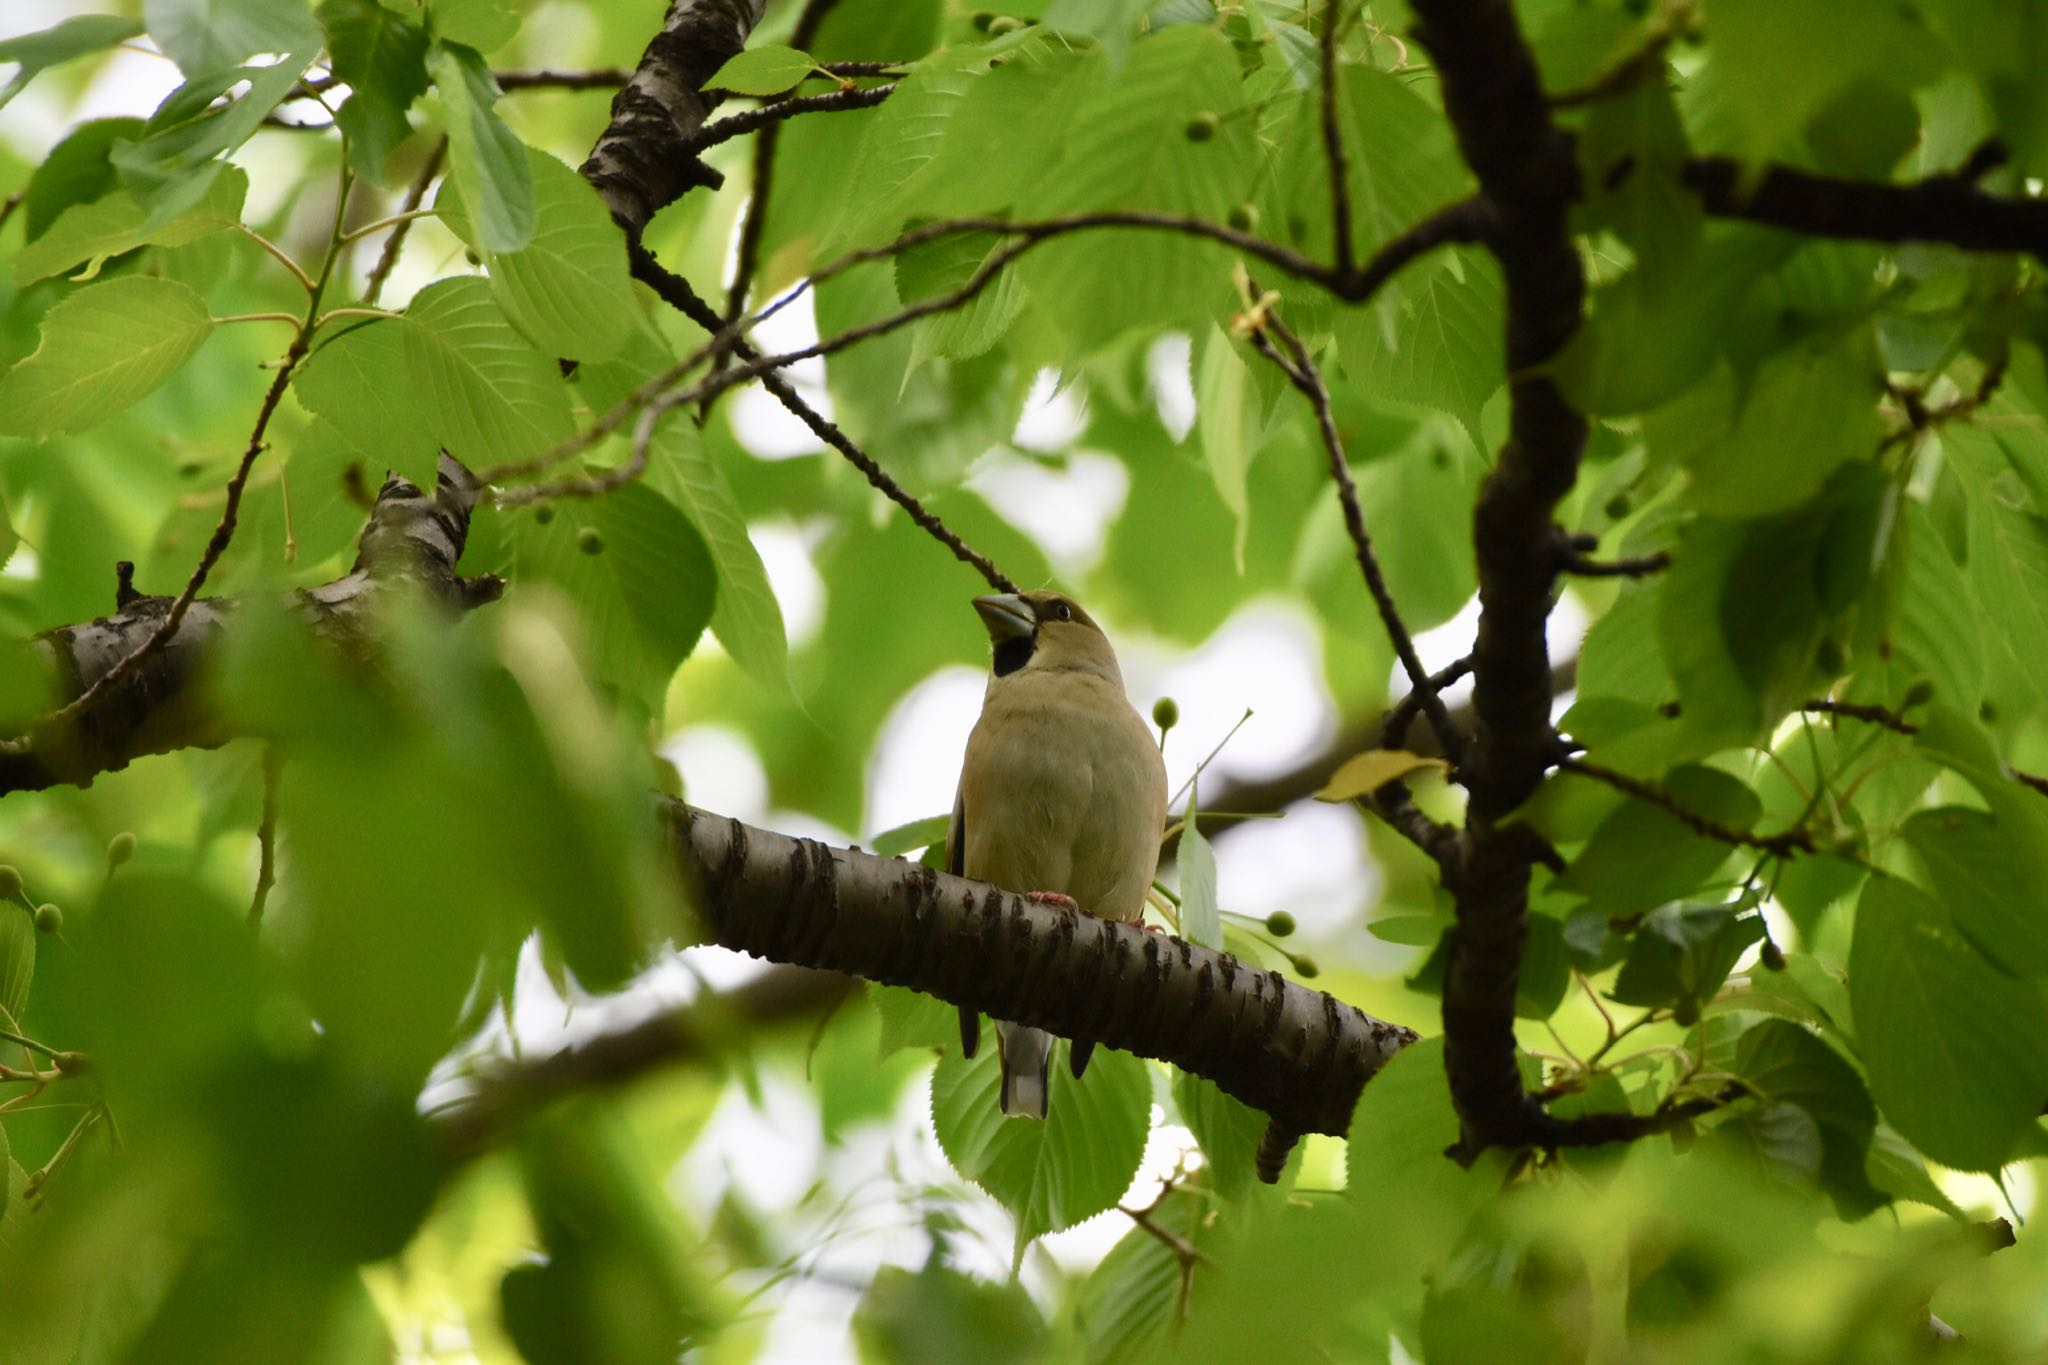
{"x":1528,"y":171}
{"x":411,"y":544}
{"x":1943,"y":208}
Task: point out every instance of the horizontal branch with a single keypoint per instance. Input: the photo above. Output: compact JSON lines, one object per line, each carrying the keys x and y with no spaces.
{"x":752,"y":120}
{"x":1782,"y":845}
{"x":1300,"y":1055}
{"x":1943,"y":208}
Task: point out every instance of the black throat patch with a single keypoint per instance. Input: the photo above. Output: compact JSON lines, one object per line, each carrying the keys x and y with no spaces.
{"x":1013,"y":653}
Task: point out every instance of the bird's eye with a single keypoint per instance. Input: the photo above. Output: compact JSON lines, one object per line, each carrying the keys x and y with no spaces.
{"x":1061,"y":611}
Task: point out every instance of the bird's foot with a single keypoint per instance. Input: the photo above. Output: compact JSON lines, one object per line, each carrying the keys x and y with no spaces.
{"x":1054,"y":898}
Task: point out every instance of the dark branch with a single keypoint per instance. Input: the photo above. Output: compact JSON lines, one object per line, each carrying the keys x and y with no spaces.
{"x":725,"y":129}
{"x":387,"y":260}
{"x":1333,"y":142}
{"x":1865,"y":711}
{"x":1781,"y":845}
{"x":1943,"y":208}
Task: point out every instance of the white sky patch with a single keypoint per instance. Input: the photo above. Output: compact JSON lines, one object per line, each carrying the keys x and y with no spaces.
{"x":129,"y":81}
{"x":1068,"y":512}
{"x":1167,"y":367}
{"x":763,"y":425}
{"x":720,"y":771}
{"x":1053,"y":416}
{"x":1440,"y":645}
{"x":785,"y":551}
{"x":916,"y":763}
{"x":1313,"y":864}
{"x":1265,"y":658}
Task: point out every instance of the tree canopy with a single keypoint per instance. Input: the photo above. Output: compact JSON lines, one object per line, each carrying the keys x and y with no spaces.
{"x":489,"y":493}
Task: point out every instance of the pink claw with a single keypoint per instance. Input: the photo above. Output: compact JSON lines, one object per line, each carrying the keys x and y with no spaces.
{"x":1056,"y":898}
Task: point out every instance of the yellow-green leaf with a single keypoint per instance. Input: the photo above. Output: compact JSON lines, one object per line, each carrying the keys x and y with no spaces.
{"x":1368,"y":772}
{"x":102,"y":349}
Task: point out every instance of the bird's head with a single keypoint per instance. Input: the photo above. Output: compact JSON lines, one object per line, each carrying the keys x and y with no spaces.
{"x":1044,"y":629}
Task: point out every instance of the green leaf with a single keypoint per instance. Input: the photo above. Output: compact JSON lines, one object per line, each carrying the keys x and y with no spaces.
{"x":1784,"y":1063}
{"x":567,"y":289}
{"x":1228,"y":1129}
{"x":204,"y":36}
{"x":1228,"y":427}
{"x":116,"y":223}
{"x":10,"y":538}
{"x":768,"y":69}
{"x":899,"y":145}
{"x":1683,"y":952}
{"x":1395,"y":1163}
{"x":17,"y":960}
{"x":488,"y":162}
{"x":487,"y":395}
{"x":1807,"y":411}
{"x":1933,"y":639}
{"x":79,"y":36}
{"x":174,"y":165}
{"x":1439,"y":346}
{"x":1546,"y":969}
{"x":1049,"y":1175}
{"x":1126,"y":1306}
{"x":936,"y":1312}
{"x":352,"y":380}
{"x":485,"y":25}
{"x":748,"y":621}
{"x":1643,"y":854}
{"x":103,"y":348}
{"x":1988,"y":875}
{"x":1363,"y":774}
{"x":1781,"y":1140}
{"x":908,"y":838}
{"x":382,"y":54}
{"x":945,"y":265}
{"x":913,"y":1019}
{"x":1201,"y":921}
{"x":1957,"y":1051}
{"x":642,"y":579}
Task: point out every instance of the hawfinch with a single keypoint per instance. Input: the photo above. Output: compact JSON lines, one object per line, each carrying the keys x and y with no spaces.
{"x":1062,"y":795}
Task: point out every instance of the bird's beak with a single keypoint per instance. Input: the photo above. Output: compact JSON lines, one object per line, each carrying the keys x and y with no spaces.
{"x":1007,"y":616}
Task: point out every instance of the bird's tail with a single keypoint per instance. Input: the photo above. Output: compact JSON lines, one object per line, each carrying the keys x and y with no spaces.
{"x":1026,"y":1055}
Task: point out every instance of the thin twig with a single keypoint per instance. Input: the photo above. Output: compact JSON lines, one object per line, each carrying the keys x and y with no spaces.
{"x":751,"y":120}
{"x":266,"y":837}
{"x":415,"y":193}
{"x":1394,"y":729}
{"x":1783,"y":844}
{"x":1300,"y":369}
{"x":1866,"y":711}
{"x":1333,"y":143}
{"x":1641,"y":567}
{"x":2027,"y":779}
{"x":676,"y":292}
{"x":224,"y":531}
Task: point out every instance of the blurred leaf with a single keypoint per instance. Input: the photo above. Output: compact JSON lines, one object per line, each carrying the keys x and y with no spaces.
{"x":908,"y":838}
{"x":485,"y":25}
{"x":1228,"y":426}
{"x":1053,"y":1174}
{"x":1786,"y":1064}
{"x":766,"y":69}
{"x":17,"y":961}
{"x":1363,"y":774}
{"x":173,"y":166}
{"x":68,"y":39}
{"x":382,"y":54}
{"x":1782,"y":1140}
{"x":913,"y":1019}
{"x":1820,"y":402}
{"x":203,"y":36}
{"x":488,"y":162}
{"x":1643,"y":854}
{"x":1227,"y":1129}
{"x":1957,"y":1051}
{"x":115,"y":223}
{"x":1683,"y":952}
{"x":1988,"y":875}
{"x":938,"y":1312}
{"x":1201,"y":921}
{"x":103,"y":348}
{"x":747,"y":618}
{"x":1126,"y":1305}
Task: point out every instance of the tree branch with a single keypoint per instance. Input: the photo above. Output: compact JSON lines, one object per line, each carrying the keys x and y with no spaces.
{"x":753,"y":120}
{"x":1942,"y":208}
{"x":1781,"y":845}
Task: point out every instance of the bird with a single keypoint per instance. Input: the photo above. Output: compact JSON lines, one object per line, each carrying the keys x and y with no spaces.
{"x":1062,"y":796}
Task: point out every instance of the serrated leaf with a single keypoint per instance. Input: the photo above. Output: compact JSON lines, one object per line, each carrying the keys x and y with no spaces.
{"x":900,"y":143}
{"x":79,"y":36}
{"x":1363,"y":774}
{"x":1126,"y":1306}
{"x":1957,"y":1051}
{"x":913,"y":1019}
{"x":1782,"y":1140}
{"x":115,"y":223}
{"x":567,"y":289}
{"x":209,"y":35}
{"x":1683,"y":952}
{"x":1201,"y":920}
{"x":768,"y":69}
{"x":1990,"y":876}
{"x":357,"y":376}
{"x":639,"y":573}
{"x":487,"y":394}
{"x":488,"y":162}
{"x":1439,"y":346}
{"x":748,"y":620}
{"x":945,"y":265}
{"x":1228,"y":1129}
{"x":1643,"y":854}
{"x":174,"y":165}
{"x":377,"y":50}
{"x":1819,"y":403}
{"x":17,"y":961}
{"x":916,"y":834}
{"x":103,"y":348}
{"x":1053,"y":1174}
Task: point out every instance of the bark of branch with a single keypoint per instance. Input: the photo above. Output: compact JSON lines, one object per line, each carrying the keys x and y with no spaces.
{"x":411,"y":543}
{"x":1942,"y":208}
{"x":645,"y":159}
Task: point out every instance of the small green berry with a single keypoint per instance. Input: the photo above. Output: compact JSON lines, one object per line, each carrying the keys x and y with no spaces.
{"x":1279,"y":924}
{"x":120,"y":848}
{"x":1617,"y":507}
{"x":1244,"y":217}
{"x":543,"y":514}
{"x":1919,"y":694}
{"x":49,"y":919}
{"x":1202,"y":127}
{"x":1772,"y":956}
{"x":589,"y":541}
{"x":1687,"y":1012}
{"x":1166,"y":713}
{"x":10,"y":881}
{"x":1306,"y":968}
